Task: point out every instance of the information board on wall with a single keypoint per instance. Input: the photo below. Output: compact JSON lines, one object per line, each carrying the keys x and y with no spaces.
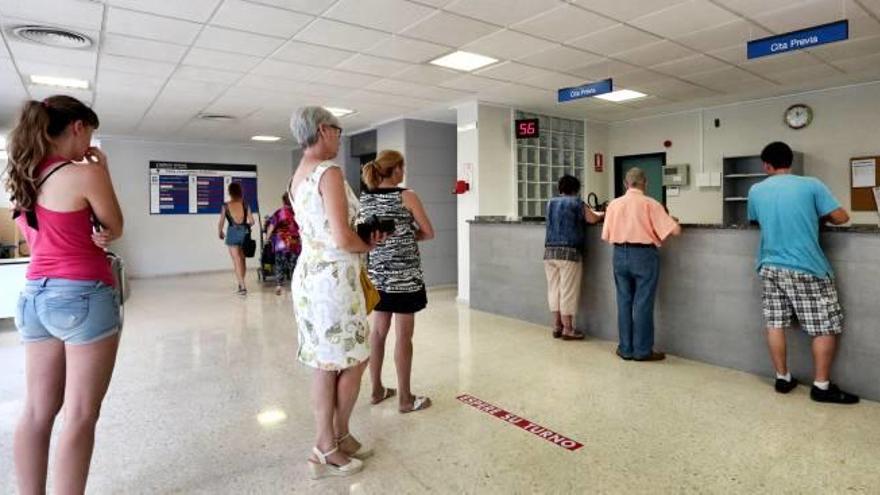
{"x":185,"y":188}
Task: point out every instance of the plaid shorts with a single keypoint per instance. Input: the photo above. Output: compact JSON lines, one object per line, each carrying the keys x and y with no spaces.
{"x":812,"y":299}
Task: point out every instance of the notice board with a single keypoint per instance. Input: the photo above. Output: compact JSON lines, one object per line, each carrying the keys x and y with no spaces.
{"x":188,"y":188}
{"x":862,"y":184}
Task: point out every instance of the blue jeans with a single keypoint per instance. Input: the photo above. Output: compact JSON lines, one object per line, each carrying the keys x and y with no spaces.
{"x":636,"y":271}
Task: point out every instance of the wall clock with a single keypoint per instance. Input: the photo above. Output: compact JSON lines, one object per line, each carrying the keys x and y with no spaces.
{"x":798,"y":116}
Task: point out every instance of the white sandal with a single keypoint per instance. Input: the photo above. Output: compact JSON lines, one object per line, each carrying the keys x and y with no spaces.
{"x":419,"y":404}
{"x":361,"y":453}
{"x":323,"y":469}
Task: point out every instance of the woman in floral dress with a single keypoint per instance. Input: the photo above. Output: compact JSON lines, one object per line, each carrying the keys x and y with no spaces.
{"x":328,"y":299}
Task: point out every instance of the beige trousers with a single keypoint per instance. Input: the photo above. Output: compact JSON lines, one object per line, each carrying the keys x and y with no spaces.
{"x":563,"y":285}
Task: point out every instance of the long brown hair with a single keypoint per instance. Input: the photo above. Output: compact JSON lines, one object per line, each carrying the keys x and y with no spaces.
{"x":381,"y":168}
{"x":29,"y":143}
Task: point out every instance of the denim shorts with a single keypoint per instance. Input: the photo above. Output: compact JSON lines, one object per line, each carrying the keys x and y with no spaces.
{"x":73,"y":311}
{"x":235,"y":234}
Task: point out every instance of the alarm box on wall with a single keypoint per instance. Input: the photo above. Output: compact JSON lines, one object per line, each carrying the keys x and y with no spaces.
{"x":676,"y":175}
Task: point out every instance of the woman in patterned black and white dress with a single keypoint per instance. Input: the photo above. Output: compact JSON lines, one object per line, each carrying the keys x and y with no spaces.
{"x":395,"y":268}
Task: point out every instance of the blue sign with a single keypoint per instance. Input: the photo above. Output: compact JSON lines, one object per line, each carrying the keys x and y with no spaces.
{"x":585,"y":91}
{"x":798,"y":40}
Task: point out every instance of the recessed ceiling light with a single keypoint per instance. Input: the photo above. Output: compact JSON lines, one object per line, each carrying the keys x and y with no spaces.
{"x":622,"y":95}
{"x":268,"y":139}
{"x":464,"y":61}
{"x":60,"y":82}
{"x":339,"y":112}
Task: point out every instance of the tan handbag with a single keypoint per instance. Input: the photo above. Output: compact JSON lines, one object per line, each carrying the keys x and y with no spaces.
{"x":371,"y":295}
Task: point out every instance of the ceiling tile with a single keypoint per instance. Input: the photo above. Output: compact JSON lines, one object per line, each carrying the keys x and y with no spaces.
{"x":724,"y":36}
{"x":690,"y":65}
{"x":564,"y":23}
{"x":72,"y":13}
{"x":778,"y":63}
{"x":207,"y":75}
{"x":152,"y":27}
{"x":655,"y":53}
{"x":625,"y":10}
{"x":684,"y":18}
{"x":866,"y":64}
{"x":727,"y":80}
{"x":735,"y":54}
{"x":560,"y":58}
{"x":501,"y":12}
{"x":115,"y":44}
{"x":506,"y":44}
{"x":306,"y":6}
{"x":193,"y":10}
{"x":873,"y":6}
{"x":753,"y":8}
{"x":339,"y":35}
{"x":427,"y":74}
{"x":395,"y":87}
{"x":604,"y":69}
{"x":513,"y":72}
{"x":38,"y":53}
{"x":519,"y":95}
{"x":408,"y":50}
{"x":188,"y":92}
{"x":276,"y":68}
{"x":127,"y":84}
{"x":368,"y":64}
{"x":213,"y":59}
{"x":471,"y":83}
{"x":449,"y":29}
{"x":638,"y":78}
{"x":674,"y":90}
{"x":616,"y":39}
{"x":808,"y":73}
{"x":553,"y":81}
{"x":237,"y":42}
{"x":43,"y":92}
{"x":297,"y":51}
{"x":345,"y":78}
{"x":136,"y":66}
{"x":260,"y":19}
{"x":860,"y":47}
{"x":815,"y":12}
{"x":385,"y":15}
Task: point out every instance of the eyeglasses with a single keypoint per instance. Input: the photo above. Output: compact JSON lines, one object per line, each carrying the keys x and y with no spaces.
{"x":337,"y":128}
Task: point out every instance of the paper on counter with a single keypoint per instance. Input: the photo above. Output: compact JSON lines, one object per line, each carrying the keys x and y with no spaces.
{"x":864,"y":173}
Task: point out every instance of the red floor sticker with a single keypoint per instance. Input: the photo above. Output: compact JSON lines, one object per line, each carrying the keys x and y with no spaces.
{"x":533,"y":428}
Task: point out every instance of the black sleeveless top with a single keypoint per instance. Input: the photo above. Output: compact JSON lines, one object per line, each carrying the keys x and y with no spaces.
{"x":395,"y":266}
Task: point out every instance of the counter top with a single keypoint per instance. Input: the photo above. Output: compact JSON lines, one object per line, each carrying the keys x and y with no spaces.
{"x":500,"y":220}
{"x":14,"y":261}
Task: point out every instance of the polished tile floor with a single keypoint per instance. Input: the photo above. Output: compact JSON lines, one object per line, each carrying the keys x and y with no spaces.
{"x":199,"y":369}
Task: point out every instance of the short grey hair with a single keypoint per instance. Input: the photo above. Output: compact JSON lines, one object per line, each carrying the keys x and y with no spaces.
{"x":306,"y":121}
{"x":636,"y":177}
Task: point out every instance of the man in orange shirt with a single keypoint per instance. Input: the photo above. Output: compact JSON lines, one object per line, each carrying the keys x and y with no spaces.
{"x":637,"y":225}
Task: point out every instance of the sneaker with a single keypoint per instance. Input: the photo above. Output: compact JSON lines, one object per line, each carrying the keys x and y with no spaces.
{"x":833,"y":395}
{"x":784,"y":387}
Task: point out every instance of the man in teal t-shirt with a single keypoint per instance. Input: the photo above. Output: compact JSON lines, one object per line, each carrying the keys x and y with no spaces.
{"x":795,"y":274}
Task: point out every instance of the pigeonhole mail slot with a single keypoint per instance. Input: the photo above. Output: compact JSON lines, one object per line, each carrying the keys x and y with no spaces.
{"x":676,"y":175}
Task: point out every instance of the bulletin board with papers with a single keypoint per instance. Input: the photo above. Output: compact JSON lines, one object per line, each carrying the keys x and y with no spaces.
{"x":864,"y":176}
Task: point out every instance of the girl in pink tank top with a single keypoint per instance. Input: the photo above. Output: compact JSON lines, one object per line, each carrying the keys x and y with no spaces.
{"x":68,"y":313}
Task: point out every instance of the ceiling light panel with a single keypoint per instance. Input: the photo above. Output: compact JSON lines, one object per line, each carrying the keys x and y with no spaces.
{"x":464,"y":61}
{"x":621,"y":95}
{"x":59,"y":82}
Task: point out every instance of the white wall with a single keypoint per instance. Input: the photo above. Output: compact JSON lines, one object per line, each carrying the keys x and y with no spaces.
{"x":844,"y":126}
{"x":496,"y":177}
{"x":468,"y":206}
{"x":156,"y":245}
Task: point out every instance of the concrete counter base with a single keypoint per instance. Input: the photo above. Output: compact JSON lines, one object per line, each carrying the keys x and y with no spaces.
{"x":708,"y":305}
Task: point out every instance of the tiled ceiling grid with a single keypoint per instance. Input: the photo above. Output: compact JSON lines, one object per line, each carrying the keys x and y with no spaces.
{"x":159,"y":63}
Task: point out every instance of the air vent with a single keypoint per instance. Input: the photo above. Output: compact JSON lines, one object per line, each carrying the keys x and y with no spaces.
{"x":216,"y":117}
{"x":52,"y":36}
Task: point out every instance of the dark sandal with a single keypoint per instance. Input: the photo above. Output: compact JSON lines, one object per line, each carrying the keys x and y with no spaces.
{"x":557,"y":333}
{"x":576,"y":335}
{"x":389,"y":393}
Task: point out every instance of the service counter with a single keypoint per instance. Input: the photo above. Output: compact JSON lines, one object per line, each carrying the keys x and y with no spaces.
{"x":708,"y":305}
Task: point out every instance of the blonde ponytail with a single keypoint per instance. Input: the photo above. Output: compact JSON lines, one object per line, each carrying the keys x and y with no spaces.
{"x":386,"y":162}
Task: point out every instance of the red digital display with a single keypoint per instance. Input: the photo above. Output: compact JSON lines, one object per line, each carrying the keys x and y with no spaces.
{"x":526,"y":128}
